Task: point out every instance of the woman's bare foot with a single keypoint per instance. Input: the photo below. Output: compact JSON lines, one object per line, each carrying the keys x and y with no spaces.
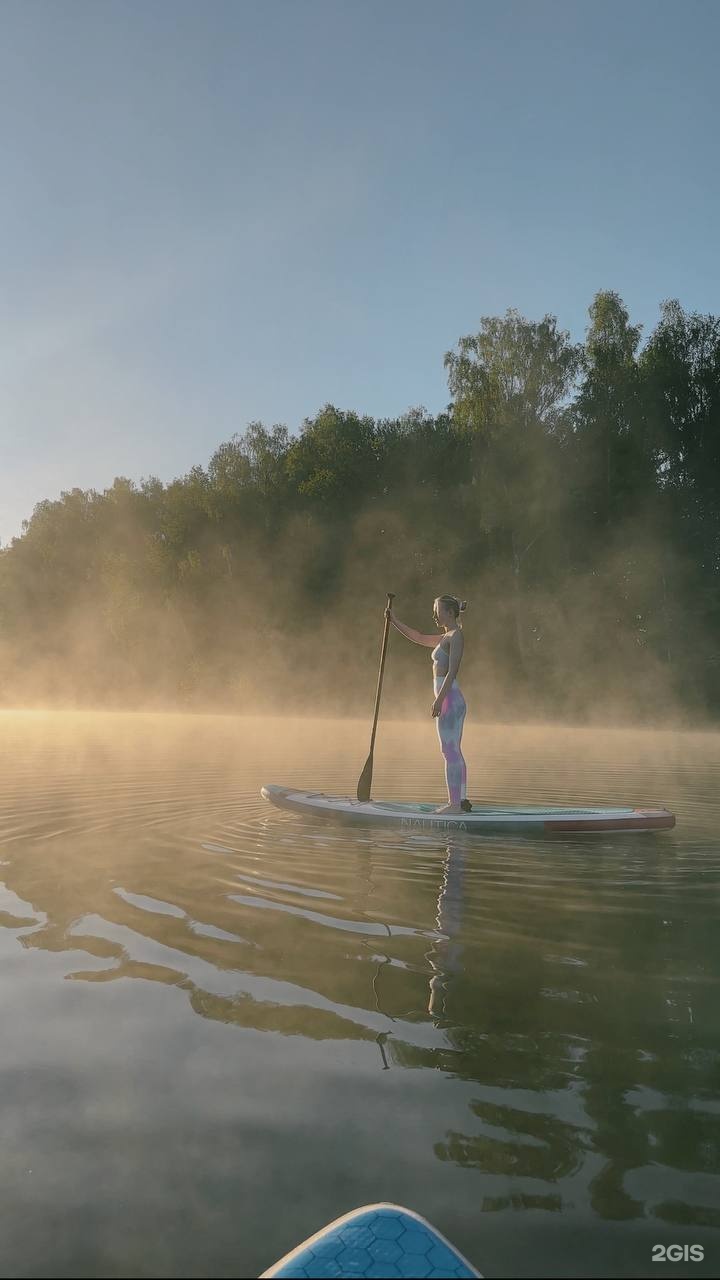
{"x":449,"y":808}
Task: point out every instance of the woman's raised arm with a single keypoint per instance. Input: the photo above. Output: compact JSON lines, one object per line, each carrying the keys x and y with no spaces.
{"x":416,"y":636}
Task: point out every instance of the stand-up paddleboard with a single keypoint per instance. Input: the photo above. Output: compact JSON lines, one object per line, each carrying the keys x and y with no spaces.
{"x":530,"y":818}
{"x":377,"y":1240}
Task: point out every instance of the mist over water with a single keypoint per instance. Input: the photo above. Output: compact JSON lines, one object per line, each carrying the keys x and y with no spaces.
{"x":219,"y":1013}
{"x":570,"y":492}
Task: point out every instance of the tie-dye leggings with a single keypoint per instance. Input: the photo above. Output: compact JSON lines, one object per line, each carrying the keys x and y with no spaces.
{"x":450,"y":727}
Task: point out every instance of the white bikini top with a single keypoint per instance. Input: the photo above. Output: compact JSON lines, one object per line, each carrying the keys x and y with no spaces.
{"x":439,"y":652}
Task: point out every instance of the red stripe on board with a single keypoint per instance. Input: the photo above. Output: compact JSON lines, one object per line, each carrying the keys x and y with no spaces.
{"x":661,"y":822}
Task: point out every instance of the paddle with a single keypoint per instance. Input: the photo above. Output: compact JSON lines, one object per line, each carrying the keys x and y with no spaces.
{"x":363,"y":786}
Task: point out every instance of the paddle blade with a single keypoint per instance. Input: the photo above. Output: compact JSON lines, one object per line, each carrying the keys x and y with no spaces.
{"x":363,"y":786}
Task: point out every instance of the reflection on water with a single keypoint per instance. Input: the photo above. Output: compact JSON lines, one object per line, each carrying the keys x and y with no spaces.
{"x":520,"y":1038}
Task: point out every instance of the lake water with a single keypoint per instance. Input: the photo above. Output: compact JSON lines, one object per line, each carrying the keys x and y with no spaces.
{"x":225,"y":1025}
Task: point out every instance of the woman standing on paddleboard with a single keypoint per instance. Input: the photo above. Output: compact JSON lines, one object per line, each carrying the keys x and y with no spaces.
{"x":449,"y":705}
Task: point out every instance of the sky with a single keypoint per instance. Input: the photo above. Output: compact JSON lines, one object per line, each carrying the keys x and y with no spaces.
{"x":223,"y":211}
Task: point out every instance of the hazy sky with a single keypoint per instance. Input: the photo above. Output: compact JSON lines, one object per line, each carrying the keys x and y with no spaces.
{"x":224,"y":210}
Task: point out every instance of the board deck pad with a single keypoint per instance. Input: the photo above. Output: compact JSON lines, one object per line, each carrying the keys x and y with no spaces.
{"x":531,"y":818}
{"x":382,"y":1240}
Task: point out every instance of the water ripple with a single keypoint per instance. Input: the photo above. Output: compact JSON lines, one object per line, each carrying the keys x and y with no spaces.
{"x":517,"y":1025}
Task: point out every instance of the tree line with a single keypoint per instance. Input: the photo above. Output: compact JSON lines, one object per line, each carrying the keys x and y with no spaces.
{"x":570,"y":490}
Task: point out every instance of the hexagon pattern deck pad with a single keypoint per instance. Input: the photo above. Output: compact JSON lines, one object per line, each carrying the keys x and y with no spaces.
{"x":382,"y":1240}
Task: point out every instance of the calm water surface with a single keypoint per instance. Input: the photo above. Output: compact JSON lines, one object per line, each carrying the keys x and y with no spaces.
{"x":225,"y":1025}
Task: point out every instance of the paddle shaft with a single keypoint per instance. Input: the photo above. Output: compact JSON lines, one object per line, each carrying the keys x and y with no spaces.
{"x":363,"y":787}
{"x":390,"y":598}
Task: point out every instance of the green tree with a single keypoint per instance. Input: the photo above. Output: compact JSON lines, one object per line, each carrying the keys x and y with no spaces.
{"x":613,"y":455}
{"x":681,"y":372}
{"x":510,"y":385}
{"x":334,"y":462}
